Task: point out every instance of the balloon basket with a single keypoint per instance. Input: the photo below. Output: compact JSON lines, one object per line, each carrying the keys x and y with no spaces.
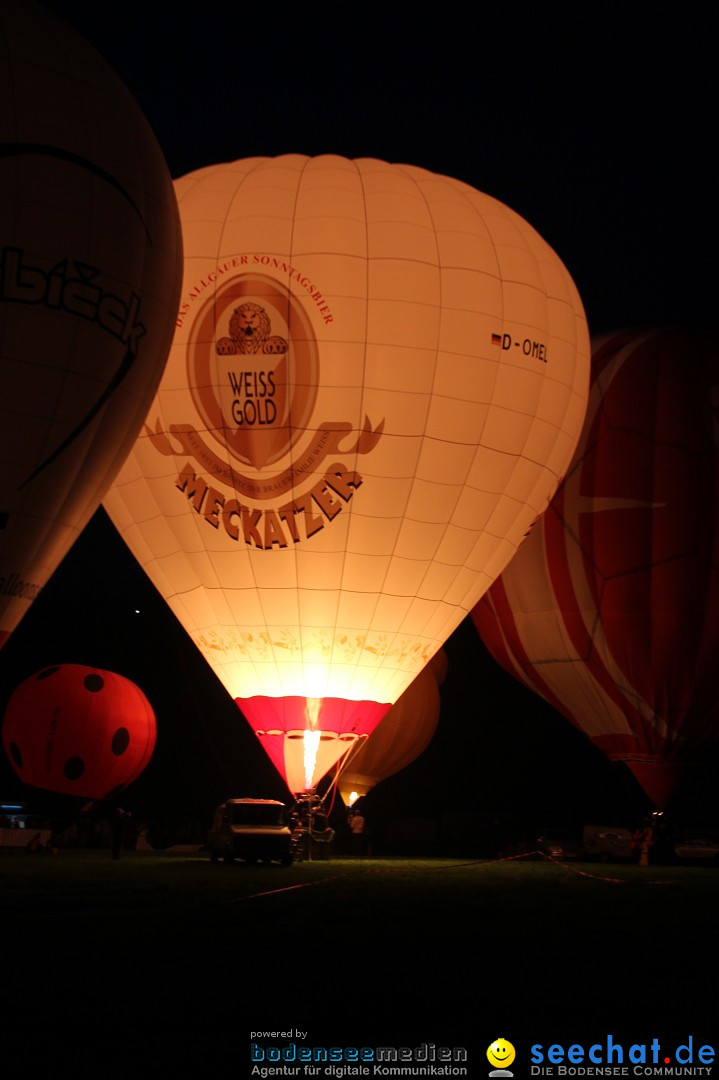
{"x":311,"y":834}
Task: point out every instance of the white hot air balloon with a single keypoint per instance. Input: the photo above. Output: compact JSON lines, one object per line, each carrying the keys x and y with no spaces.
{"x":377,"y":380}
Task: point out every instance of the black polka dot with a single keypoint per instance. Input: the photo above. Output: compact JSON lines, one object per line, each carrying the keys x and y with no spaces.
{"x":15,"y":754}
{"x":74,"y":768}
{"x":93,"y":683}
{"x":120,"y":741}
{"x":46,"y":673}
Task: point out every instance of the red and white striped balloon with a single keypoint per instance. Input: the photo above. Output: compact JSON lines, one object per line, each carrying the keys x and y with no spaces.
{"x":610,"y":609}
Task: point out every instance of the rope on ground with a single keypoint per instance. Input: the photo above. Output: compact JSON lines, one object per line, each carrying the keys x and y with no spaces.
{"x":453,"y":866}
{"x":420,"y":869}
{"x":505,"y":858}
{"x":583,"y":873}
{"x":287,"y":888}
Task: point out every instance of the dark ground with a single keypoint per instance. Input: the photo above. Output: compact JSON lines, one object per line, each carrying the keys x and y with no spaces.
{"x":167,"y":961}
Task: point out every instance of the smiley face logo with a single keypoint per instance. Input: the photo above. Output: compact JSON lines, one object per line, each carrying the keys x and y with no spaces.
{"x":500,"y":1054}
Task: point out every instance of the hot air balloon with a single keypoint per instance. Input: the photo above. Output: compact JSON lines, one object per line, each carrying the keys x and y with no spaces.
{"x":377,"y":380}
{"x":79,"y":731}
{"x":90,"y":270}
{"x":609,"y":608}
{"x":399,"y":738}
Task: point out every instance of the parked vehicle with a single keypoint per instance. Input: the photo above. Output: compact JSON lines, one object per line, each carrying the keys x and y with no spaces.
{"x":559,"y":844}
{"x":251,"y":829}
{"x":608,"y":844}
{"x":701,"y":849}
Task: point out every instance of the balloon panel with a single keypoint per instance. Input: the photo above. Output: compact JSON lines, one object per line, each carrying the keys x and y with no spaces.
{"x":78,"y":731}
{"x":377,"y":379}
{"x":90,"y":273}
{"x":304,"y":738}
{"x":400,"y":737}
{"x":609,"y":608}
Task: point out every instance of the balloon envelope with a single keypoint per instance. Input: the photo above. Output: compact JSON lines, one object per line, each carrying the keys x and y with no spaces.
{"x":79,"y":731}
{"x":609,"y":609}
{"x":377,"y":379}
{"x":399,"y":738}
{"x":89,"y":275}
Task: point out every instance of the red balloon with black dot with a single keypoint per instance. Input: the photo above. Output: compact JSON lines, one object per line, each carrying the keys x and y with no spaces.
{"x":79,"y":731}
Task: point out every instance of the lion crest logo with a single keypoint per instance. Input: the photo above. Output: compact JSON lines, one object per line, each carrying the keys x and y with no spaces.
{"x":250,"y":333}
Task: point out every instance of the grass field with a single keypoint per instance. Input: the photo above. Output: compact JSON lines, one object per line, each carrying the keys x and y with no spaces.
{"x":168,"y":959}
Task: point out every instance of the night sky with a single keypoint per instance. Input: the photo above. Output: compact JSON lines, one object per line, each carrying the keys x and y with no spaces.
{"x":602,"y":138}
